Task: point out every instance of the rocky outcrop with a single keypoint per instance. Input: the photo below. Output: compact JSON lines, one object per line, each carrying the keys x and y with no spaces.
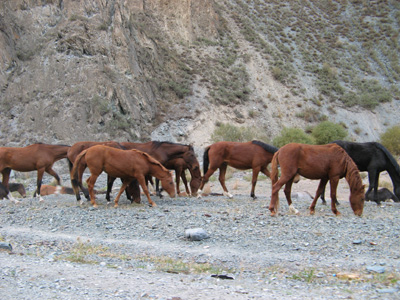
{"x":84,"y":70}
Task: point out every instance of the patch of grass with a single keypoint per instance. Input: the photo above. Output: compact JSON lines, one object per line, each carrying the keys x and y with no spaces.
{"x":172,"y":265}
{"x":307,"y":275}
{"x":85,"y":253}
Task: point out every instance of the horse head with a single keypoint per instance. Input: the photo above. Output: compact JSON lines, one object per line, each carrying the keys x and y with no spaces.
{"x":357,"y":199}
{"x":168,"y":184}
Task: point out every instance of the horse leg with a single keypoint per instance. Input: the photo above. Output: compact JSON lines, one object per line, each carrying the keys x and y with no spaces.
{"x":158,"y":191}
{"x":320,"y":192}
{"x":222,"y":172}
{"x":40,"y":173}
{"x":287,"y":190}
{"x":90,"y":182}
{"x":254,"y":182}
{"x":121,"y":190}
{"x":334,"y":184}
{"x":50,"y":171}
{"x":376,"y":184}
{"x":110,"y":182}
{"x":275,"y":195}
{"x":323,"y":196}
{"x":6,"y":177}
{"x":185,"y":182}
{"x":81,"y":169}
{"x":205,"y":179}
{"x":142,"y":183}
{"x":178,"y":172}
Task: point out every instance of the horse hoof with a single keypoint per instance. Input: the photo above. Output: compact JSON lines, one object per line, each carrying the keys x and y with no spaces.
{"x":116,"y":206}
{"x":312,"y":212}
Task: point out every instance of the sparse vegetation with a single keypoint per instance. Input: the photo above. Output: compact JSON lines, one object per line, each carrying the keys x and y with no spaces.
{"x":327,"y":132}
{"x":391,"y":139}
{"x":228,"y":132}
{"x":292,"y":135}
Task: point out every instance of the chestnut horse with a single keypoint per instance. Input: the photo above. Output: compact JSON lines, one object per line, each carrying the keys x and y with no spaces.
{"x":78,"y":148}
{"x":40,"y":157}
{"x":125,"y":164}
{"x":166,"y":151}
{"x":254,"y":155}
{"x":325,"y":162}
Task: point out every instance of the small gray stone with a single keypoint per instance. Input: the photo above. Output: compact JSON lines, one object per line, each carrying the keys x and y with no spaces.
{"x":196,"y":234}
{"x":376,"y":269}
{"x":5,"y":246}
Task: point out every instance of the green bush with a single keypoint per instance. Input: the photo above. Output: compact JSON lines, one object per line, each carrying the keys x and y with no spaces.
{"x":391,"y":139}
{"x":232,"y":133}
{"x":326,"y":132}
{"x":292,"y":135}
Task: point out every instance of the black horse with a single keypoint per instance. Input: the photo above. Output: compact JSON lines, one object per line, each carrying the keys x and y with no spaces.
{"x":373,"y":158}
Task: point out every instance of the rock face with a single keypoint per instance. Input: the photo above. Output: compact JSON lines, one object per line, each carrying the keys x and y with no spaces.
{"x":172,"y":69}
{"x":81,"y":70}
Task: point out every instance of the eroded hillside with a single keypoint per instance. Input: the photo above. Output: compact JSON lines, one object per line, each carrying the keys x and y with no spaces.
{"x":134,"y":70}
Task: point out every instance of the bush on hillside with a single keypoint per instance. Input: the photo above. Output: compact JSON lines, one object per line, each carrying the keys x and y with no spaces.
{"x":292,"y":135}
{"x":391,"y":139}
{"x":326,"y":132}
{"x":232,"y":133}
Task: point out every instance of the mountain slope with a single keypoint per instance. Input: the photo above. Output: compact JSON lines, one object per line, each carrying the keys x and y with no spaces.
{"x":135,"y":70}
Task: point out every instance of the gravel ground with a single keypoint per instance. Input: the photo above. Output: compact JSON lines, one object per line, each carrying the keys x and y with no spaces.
{"x":64,"y":250}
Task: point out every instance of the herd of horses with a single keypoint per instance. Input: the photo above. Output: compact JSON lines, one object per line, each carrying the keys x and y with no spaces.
{"x":137,"y":163}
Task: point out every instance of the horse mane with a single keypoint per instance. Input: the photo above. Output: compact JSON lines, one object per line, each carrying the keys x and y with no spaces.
{"x":266,"y":147}
{"x":352,"y":173}
{"x":151,"y":159}
{"x":389,"y":156}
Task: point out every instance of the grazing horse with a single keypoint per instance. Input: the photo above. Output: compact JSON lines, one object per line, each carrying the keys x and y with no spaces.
{"x":325,"y":162}
{"x":40,"y":157}
{"x":254,"y":155}
{"x":373,"y":158}
{"x":17,"y":187}
{"x":165,"y":151}
{"x":383,"y":195}
{"x":179,"y":166}
{"x":78,"y":148}
{"x":124,"y":164}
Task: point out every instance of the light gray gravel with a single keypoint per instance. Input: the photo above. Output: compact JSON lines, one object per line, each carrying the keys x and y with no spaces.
{"x":68,"y":251}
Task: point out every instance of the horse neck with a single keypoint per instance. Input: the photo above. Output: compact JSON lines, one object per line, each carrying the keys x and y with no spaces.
{"x":158,"y":171}
{"x":353,"y":176}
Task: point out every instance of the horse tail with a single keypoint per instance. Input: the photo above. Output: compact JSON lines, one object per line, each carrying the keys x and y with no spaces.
{"x":266,"y":147}
{"x":74,"y":171}
{"x":389,"y":156}
{"x":274,"y":175}
{"x":206,"y":160}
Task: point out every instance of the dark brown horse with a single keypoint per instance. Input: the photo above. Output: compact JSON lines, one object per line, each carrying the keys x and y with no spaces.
{"x":180,"y":166}
{"x":124,"y":164}
{"x":324,"y":162}
{"x":254,"y":155}
{"x":166,"y":151}
{"x":78,"y":148}
{"x":40,"y":157}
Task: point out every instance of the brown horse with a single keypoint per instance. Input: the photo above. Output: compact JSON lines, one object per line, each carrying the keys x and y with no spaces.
{"x":325,"y":162}
{"x":124,"y":164}
{"x":40,"y":157}
{"x":179,"y":166}
{"x":166,"y":151}
{"x":254,"y":155}
{"x":78,"y":148}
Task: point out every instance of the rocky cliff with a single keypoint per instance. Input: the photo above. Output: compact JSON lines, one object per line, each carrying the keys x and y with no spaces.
{"x":170,"y":69}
